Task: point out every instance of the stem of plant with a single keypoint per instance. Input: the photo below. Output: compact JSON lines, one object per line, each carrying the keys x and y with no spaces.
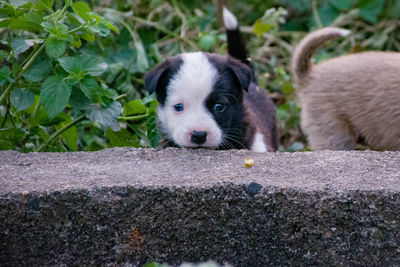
{"x":76,"y":29}
{"x":62,"y":13}
{"x":132,"y":118}
{"x":182,"y":17}
{"x":137,"y":80}
{"x":164,"y":30}
{"x":30,"y":54}
{"x":24,"y":69}
{"x":60,"y":131}
{"x":119,"y":97}
{"x":315,"y":14}
{"x":5,"y":117}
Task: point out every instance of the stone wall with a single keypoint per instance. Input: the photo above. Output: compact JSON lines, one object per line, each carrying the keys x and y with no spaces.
{"x":131,"y":206}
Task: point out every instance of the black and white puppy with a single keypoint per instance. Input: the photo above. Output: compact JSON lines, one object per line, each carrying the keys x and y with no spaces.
{"x":213,"y":101}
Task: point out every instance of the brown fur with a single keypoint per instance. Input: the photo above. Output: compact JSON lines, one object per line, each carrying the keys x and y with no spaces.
{"x":349,"y":97}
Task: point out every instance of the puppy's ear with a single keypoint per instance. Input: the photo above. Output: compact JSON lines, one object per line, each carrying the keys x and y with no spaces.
{"x":242,"y":73}
{"x":157,"y":79}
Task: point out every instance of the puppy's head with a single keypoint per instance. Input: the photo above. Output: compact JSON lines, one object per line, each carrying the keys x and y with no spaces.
{"x":200,"y":99}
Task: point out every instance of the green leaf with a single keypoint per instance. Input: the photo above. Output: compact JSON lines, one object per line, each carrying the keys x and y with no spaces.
{"x":16,"y":68}
{"x":54,"y":95}
{"x":58,"y":30}
{"x":101,"y":29}
{"x":108,"y":117}
{"x":260,"y":28}
{"x":296,"y":146}
{"x":45,"y":4}
{"x":69,"y":136}
{"x":327,"y":14}
{"x":22,"y":98}
{"x":77,"y":41}
{"x":112,"y":27}
{"x":94,"y":65}
{"x":54,"y":47}
{"x":282,"y":113}
{"x":6,"y":145}
{"x":79,"y":66}
{"x":207,"y":42}
{"x":134,"y":107}
{"x":55,"y":29}
{"x":370,"y":9}
{"x":47,"y":26}
{"x":299,"y":5}
{"x":78,"y":100}
{"x":43,"y":119}
{"x":122,"y":138}
{"x":5,"y":75}
{"x":141,"y":59}
{"x":18,"y":3}
{"x":83,"y":10}
{"x":90,"y":88}
{"x":28,"y":22}
{"x":74,"y":19}
{"x":90,"y":37}
{"x":3,"y":55}
{"x":74,"y":66}
{"x":342,"y":4}
{"x":108,"y":92}
{"x":13,"y":135}
{"x":151,"y":122}
{"x":397,"y":9}
{"x":39,"y":71}
{"x":19,"y":46}
{"x":4,"y":22}
{"x":287,"y":88}
{"x":270,"y":21}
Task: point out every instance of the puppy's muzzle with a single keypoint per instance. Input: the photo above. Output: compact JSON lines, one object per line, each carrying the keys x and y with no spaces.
{"x":198,"y":137}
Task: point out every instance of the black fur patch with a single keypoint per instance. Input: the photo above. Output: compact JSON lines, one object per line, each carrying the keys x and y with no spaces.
{"x":233,"y":77}
{"x":157,"y":79}
{"x":228,"y":93}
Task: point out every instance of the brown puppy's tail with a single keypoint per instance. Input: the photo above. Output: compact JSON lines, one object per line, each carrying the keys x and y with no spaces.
{"x":301,"y":60}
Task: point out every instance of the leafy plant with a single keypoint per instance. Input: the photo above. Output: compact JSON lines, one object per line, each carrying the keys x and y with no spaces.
{"x":50,"y":85}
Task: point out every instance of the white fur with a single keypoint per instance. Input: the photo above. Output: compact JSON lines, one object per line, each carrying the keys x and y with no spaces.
{"x":258,"y":143}
{"x":190,"y":86}
{"x":344,"y":32}
{"x":230,"y":20}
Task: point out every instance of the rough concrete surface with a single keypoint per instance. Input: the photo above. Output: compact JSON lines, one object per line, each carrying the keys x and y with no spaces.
{"x":131,"y":206}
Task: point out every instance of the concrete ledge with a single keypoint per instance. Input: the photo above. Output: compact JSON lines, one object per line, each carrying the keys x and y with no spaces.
{"x":132,"y":206}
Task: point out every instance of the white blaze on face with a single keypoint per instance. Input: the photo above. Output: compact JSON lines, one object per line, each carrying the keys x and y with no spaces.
{"x":190,"y":86}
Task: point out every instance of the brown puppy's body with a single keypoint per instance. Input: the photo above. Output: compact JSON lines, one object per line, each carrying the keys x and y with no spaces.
{"x":349,"y":97}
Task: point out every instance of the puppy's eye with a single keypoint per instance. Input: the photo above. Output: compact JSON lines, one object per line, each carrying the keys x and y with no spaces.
{"x":219,"y":107}
{"x":178,"y":107}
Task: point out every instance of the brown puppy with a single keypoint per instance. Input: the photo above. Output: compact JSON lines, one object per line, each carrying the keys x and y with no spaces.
{"x":349,"y":97}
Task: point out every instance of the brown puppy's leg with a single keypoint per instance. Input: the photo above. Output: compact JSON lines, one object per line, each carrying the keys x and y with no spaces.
{"x":334,"y":134}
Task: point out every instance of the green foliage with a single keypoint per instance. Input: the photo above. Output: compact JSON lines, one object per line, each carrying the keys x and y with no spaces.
{"x":269,"y":22}
{"x":52,"y":87}
{"x":71,"y":72}
{"x":21,"y":98}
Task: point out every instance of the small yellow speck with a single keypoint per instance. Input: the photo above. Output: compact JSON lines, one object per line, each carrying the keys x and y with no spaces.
{"x":248,"y":162}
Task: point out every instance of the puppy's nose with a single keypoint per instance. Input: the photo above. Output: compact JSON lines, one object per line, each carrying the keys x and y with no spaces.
{"x":199,"y":137}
